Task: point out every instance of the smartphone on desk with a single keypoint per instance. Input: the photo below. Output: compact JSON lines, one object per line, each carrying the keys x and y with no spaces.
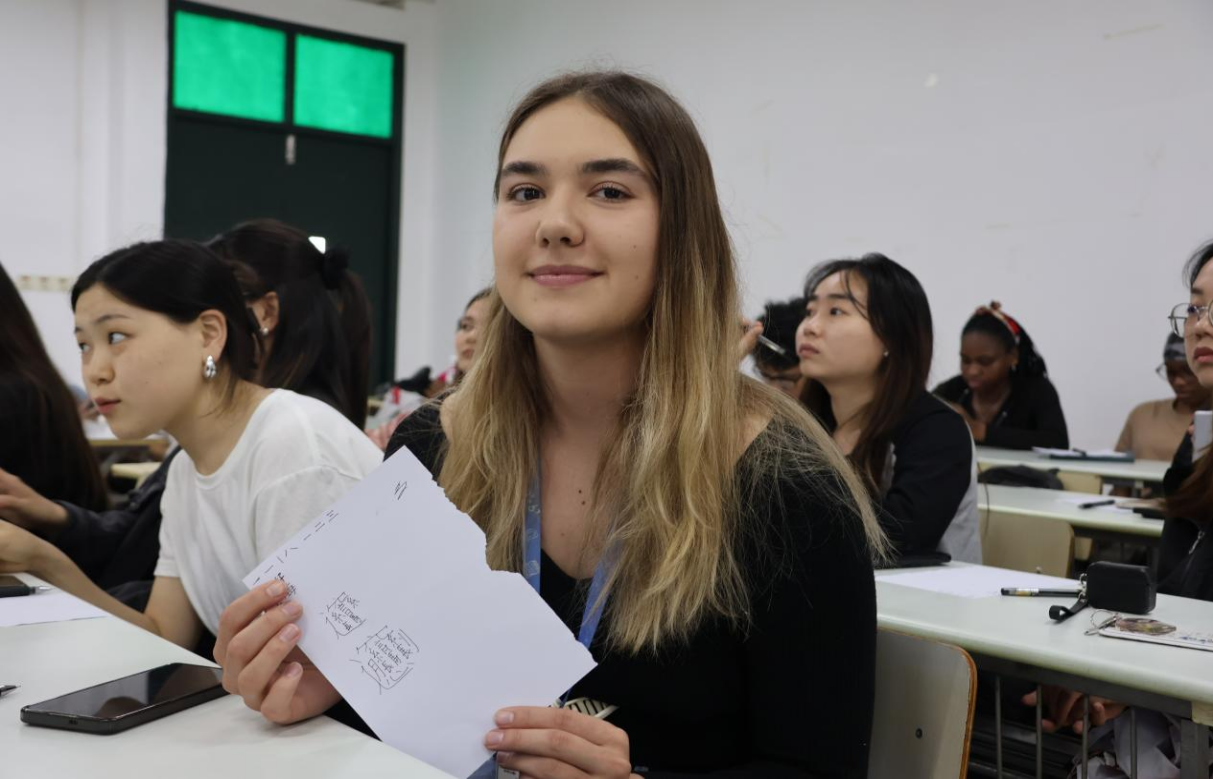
{"x":112,"y":707}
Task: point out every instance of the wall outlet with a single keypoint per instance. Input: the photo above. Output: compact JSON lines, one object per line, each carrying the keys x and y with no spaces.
{"x":45,"y":283}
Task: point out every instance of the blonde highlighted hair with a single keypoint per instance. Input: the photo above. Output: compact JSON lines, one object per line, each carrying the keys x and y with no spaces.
{"x":666,"y":499}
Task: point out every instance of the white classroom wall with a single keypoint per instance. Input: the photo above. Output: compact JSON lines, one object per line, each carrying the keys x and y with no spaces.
{"x":1043,"y":153}
{"x":84,"y":85}
{"x":1054,"y":155}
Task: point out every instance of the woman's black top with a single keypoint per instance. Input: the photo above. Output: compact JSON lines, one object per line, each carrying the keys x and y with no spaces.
{"x":1185,"y":560}
{"x":791,"y":696}
{"x":1030,"y":416}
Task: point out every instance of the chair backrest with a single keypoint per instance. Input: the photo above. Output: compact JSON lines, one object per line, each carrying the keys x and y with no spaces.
{"x":1081,"y":482}
{"x":1022,"y":543}
{"x":925,"y":694}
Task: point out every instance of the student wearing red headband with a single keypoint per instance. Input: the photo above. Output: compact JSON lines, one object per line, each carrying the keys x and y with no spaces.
{"x":1003,"y":390}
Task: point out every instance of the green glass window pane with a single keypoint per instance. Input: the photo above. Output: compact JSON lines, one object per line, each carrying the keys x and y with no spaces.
{"x":222,"y":66}
{"x":343,"y":87}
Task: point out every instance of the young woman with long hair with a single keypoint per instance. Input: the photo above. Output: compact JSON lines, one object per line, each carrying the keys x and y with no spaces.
{"x":43,"y":443}
{"x":167,"y":343}
{"x":865,"y":351}
{"x":731,"y":543}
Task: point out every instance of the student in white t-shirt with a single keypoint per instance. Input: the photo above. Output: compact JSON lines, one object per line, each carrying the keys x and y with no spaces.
{"x":167,"y":343}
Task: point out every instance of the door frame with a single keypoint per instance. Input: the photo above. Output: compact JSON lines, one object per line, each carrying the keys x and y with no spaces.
{"x":387,"y":345}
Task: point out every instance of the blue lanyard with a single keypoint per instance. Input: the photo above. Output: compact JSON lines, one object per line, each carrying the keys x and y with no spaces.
{"x":532,"y":537}
{"x":531,"y":568}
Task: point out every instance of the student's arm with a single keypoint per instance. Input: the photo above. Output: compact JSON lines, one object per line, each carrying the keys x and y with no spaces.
{"x":1048,"y":422}
{"x":168,"y":615}
{"x":1125,"y":442}
{"x":931,"y":474}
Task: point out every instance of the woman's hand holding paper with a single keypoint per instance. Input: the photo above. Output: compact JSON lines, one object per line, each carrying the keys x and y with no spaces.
{"x":548,"y":743}
{"x":257,"y":648}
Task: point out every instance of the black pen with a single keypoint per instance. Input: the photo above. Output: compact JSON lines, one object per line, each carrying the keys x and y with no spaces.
{"x":1031,"y":593}
{"x":1096,"y":503}
{"x":7,"y":688}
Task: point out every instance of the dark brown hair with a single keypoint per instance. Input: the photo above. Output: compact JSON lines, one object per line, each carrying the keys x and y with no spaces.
{"x":50,"y":453}
{"x":322,"y":343}
{"x":1194,"y":498}
{"x":900,"y":315}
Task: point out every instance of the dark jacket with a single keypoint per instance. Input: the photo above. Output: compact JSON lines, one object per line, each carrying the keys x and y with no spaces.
{"x":1185,"y":560}
{"x":1031,"y":415}
{"x":118,"y":549}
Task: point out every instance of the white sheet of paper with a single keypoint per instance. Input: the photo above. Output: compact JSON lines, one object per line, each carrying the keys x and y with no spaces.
{"x":45,"y":607}
{"x":975,"y":581}
{"x":402,"y":614}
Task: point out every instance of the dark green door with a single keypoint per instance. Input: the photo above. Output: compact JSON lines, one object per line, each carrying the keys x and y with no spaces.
{"x":224,"y":168}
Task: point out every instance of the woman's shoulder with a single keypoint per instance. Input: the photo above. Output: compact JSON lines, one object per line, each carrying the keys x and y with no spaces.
{"x":929,"y":416}
{"x":1034,"y":386}
{"x":297,"y":432}
{"x":422,"y":433}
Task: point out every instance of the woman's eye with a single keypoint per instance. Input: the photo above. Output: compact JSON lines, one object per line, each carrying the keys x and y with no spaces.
{"x":525,"y":194}
{"x":83,"y":348}
{"x":611,"y":193}
{"x":116,"y":338}
{"x":836,"y":311}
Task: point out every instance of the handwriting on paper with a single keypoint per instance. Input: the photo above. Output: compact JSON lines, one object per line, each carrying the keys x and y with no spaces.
{"x":387,"y":657}
{"x":342,"y":615}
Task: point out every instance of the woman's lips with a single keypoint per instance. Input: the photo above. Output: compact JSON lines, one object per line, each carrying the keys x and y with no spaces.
{"x":105,"y":405}
{"x":807,"y":351}
{"x":562,"y":275}
{"x":1203,"y":355}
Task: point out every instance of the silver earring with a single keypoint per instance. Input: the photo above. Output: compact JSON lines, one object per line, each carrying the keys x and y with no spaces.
{"x":208,"y":369}
{"x":265,"y":331}
{"x":886,"y":352}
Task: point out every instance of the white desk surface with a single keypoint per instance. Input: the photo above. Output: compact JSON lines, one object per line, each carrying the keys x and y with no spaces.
{"x":1052,"y":504}
{"x":1141,"y":470}
{"x":1019,"y":629}
{"x":216,"y":739}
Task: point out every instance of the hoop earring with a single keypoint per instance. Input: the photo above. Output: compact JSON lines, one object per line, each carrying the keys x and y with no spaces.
{"x":208,"y":369}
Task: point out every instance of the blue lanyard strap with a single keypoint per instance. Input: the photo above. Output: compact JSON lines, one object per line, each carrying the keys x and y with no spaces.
{"x":532,"y":537}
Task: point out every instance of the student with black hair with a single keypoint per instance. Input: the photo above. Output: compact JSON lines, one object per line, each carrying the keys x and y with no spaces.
{"x":300,"y":317}
{"x":865,"y":350}
{"x":313,"y":313}
{"x":779,"y":323}
{"x":1003,"y":390}
{"x":167,"y":343}
{"x":42,"y":443}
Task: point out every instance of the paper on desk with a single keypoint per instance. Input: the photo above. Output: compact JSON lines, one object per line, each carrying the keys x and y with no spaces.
{"x":402,"y":614}
{"x":975,"y":581}
{"x":45,"y":607}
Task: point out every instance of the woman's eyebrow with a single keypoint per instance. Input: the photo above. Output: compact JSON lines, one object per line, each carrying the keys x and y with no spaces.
{"x":613,"y":165}
{"x":105,"y":318}
{"x":524,"y":168}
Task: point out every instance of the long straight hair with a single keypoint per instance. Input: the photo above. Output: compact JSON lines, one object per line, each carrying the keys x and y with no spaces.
{"x":1194,"y":498}
{"x":900,"y":315}
{"x":667,"y":485}
{"x":322,"y":343}
{"x":57,"y":461}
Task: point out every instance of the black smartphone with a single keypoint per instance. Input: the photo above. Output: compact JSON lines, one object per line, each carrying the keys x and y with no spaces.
{"x":112,"y":707}
{"x":11,"y":586}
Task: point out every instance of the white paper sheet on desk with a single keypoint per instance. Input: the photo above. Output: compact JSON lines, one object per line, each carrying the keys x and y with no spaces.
{"x":402,"y":614}
{"x":975,"y":581}
{"x":45,"y":607}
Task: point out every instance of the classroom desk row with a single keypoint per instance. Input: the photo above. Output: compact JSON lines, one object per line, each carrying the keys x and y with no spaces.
{"x":1014,"y":637}
{"x":1137,"y":473}
{"x":1102,"y":522}
{"x":1009,"y":636}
